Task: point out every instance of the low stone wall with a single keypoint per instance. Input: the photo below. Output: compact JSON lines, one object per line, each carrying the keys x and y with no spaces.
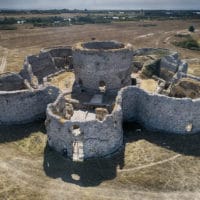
{"x":99,"y":138}
{"x":173,"y":63}
{"x":160,"y":113}
{"x":49,"y":61}
{"x":11,"y":81}
{"x":148,"y":51}
{"x":22,"y":106}
{"x":190,"y":76}
{"x":170,"y":63}
{"x":39,"y":66}
{"x":61,"y":55}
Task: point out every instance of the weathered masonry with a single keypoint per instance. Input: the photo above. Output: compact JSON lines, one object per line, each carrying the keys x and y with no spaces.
{"x":86,"y":120}
{"x":102,"y":64}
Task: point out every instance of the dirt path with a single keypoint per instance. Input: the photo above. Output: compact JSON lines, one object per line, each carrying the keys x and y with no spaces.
{"x":150,"y":164}
{"x":145,"y":36}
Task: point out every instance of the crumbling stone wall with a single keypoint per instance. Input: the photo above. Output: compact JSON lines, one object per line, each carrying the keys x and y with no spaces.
{"x":160,"y":113}
{"x":167,"y":62}
{"x":185,"y":87}
{"x":39,"y":66}
{"x":98,"y":64}
{"x":170,"y":65}
{"x":49,"y":61}
{"x":190,"y":76}
{"x":150,"y":51}
{"x":11,"y":81}
{"x":61,"y":55}
{"x":22,"y":106}
{"x":99,"y":138}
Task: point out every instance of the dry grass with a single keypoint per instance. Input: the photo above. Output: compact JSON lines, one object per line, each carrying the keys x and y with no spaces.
{"x":148,"y":84}
{"x":152,"y":165}
{"x":194,"y":68}
{"x":63,"y":81}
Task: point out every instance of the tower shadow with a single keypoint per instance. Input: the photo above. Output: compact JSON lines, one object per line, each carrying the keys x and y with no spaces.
{"x":18,"y":132}
{"x":91,"y":172}
{"x":184,"y":144}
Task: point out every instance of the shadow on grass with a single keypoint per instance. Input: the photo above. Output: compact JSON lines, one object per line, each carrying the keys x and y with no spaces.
{"x":95,"y":171}
{"x":18,"y":132}
{"x":183,"y":144}
{"x":88,"y":173}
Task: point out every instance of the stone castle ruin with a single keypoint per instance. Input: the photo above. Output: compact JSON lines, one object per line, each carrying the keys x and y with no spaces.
{"x":85,"y":121}
{"x":88,"y":116}
{"x":20,"y":102}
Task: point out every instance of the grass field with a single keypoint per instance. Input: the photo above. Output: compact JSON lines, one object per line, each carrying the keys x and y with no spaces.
{"x":28,"y":40}
{"x":151,"y":165}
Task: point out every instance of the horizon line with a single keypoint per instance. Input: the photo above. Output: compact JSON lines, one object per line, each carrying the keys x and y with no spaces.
{"x":85,"y":9}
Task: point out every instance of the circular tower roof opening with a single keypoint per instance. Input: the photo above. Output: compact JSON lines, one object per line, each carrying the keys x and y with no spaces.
{"x":105,"y":45}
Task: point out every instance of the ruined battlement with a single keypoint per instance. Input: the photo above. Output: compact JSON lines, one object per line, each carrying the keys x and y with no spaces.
{"x":86,"y":120}
{"x":159,"y":112}
{"x":23,"y":106}
{"x":83,"y":124}
{"x":98,"y":136}
{"x":48,"y":62}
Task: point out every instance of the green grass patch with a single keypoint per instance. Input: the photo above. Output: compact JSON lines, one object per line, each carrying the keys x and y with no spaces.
{"x":188,"y":43}
{"x":8,"y":27}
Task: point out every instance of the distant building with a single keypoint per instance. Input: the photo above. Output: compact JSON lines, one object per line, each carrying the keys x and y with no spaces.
{"x":115,"y":18}
{"x":21,"y":21}
{"x":57,"y":22}
{"x":168,"y":13}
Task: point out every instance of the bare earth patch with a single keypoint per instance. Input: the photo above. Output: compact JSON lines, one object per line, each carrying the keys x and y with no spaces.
{"x":63,"y":81}
{"x":149,"y":85}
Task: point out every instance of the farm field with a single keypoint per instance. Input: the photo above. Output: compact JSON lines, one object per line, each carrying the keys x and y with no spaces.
{"x":15,"y":45}
{"x":150,"y":166}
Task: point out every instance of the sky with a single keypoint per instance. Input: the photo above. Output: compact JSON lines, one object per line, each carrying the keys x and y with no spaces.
{"x":100,"y":4}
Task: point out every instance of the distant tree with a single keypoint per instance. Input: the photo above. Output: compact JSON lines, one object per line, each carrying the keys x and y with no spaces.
{"x":191,"y":29}
{"x":10,"y":21}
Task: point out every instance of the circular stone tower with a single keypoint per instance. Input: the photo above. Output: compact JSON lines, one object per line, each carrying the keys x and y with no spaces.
{"x":102,"y":64}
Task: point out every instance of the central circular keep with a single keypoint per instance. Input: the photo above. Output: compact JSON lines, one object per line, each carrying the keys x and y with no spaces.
{"x":102,"y":64}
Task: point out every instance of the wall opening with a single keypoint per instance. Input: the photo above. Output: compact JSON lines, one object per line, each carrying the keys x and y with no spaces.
{"x":133,"y":81}
{"x":78,"y":155}
{"x":65,"y":153}
{"x":80,"y":82}
{"x":76,"y":131}
{"x":102,"y":86}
